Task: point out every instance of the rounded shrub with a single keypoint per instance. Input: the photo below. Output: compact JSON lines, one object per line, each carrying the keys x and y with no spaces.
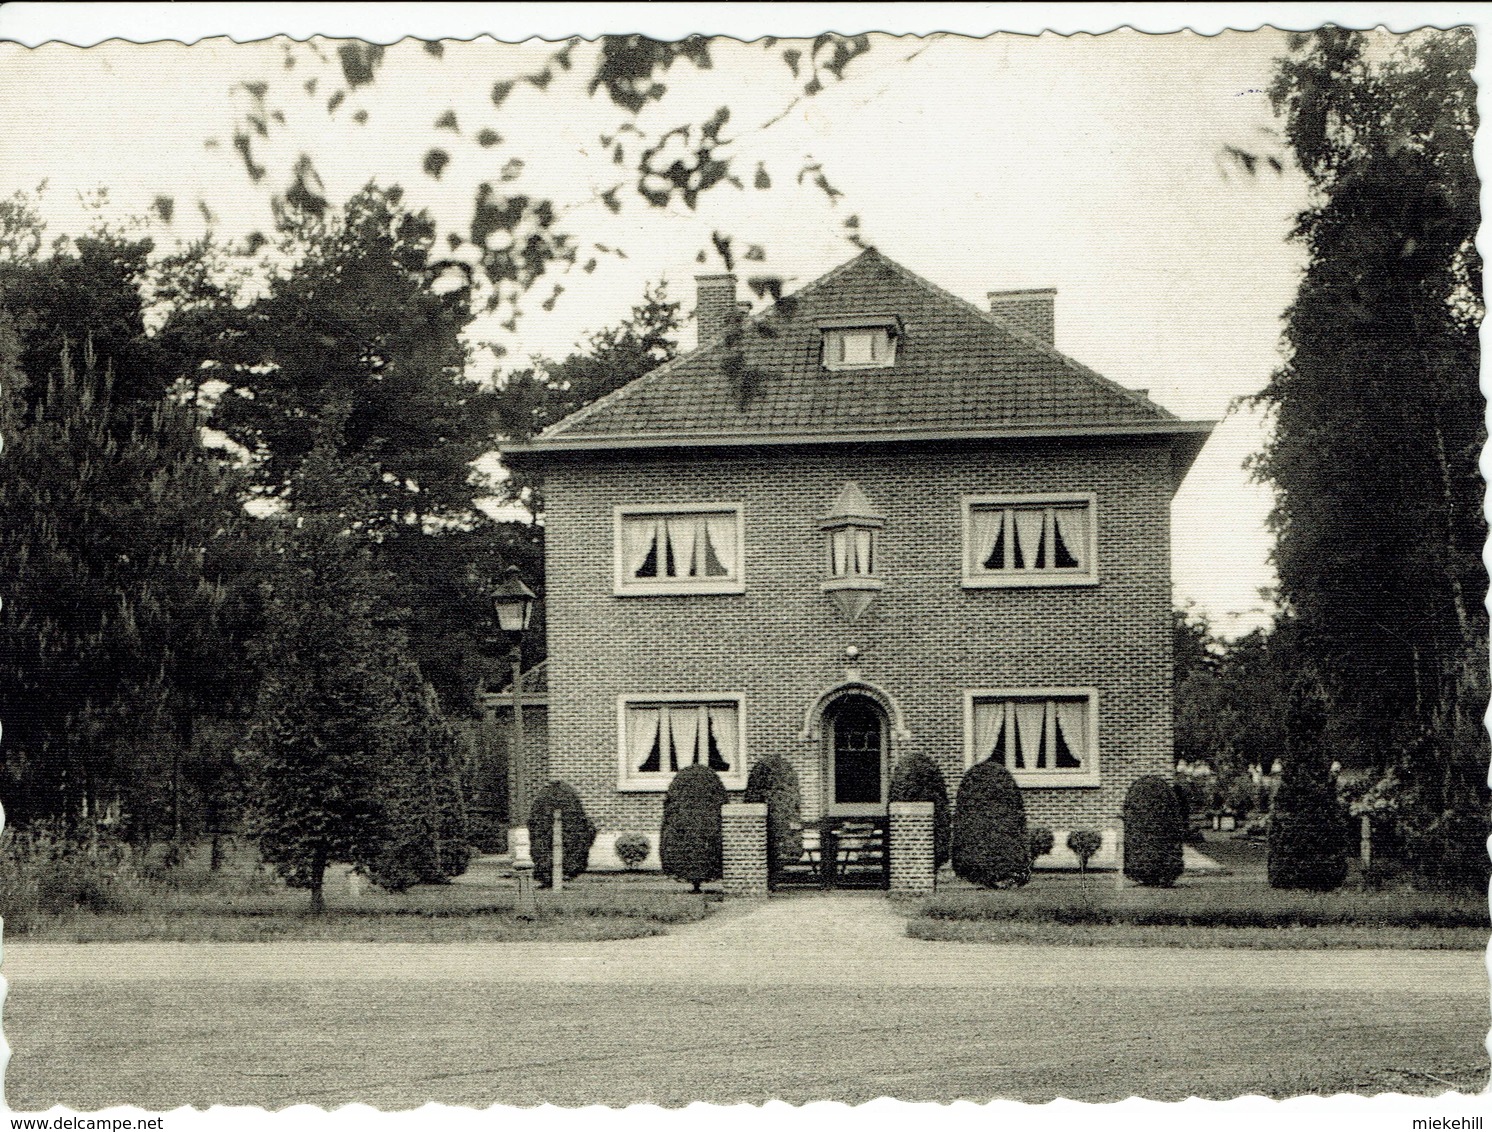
{"x":775,"y":782}
{"x":1307,"y":827}
{"x":917,"y":778}
{"x":1041,"y":840}
{"x":1084,"y":843}
{"x":989,"y":843}
{"x":1152,"y":832}
{"x":690,"y":844}
{"x":579,"y":834}
{"x":633,"y":848}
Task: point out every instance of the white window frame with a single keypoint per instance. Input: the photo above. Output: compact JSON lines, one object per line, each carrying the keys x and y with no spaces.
{"x":833,"y":337}
{"x":976,"y":577}
{"x":624,"y":586}
{"x":630,"y":781}
{"x":1087,"y":775}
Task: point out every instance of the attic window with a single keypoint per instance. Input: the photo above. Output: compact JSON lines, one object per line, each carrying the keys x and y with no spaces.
{"x":860,"y":343}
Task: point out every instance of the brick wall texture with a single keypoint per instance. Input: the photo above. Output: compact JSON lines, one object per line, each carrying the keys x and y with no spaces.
{"x":911,"y":846}
{"x":743,"y":831}
{"x":924,"y":640}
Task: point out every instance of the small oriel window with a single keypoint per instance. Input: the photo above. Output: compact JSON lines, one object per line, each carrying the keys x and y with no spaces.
{"x":860,"y":343}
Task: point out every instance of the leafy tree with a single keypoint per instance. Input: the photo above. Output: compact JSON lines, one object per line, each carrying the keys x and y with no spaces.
{"x":1377,"y":416}
{"x":1307,"y":830}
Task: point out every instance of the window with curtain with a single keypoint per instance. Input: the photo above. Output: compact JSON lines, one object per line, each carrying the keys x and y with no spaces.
{"x":1028,"y":542}
{"x":678,"y":551}
{"x":1042,"y":738}
{"x":660,"y":738}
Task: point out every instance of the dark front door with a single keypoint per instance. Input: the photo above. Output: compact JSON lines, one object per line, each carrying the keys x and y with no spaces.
{"x":856,"y":778}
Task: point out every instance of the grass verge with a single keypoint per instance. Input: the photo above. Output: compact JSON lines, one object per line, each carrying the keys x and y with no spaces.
{"x":1232,"y":915}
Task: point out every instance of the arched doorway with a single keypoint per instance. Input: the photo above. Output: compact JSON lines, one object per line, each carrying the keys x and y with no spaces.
{"x":856,"y":757}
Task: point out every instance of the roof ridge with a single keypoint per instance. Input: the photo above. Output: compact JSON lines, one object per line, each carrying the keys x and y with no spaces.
{"x":1027,"y":339}
{"x":700,"y":350}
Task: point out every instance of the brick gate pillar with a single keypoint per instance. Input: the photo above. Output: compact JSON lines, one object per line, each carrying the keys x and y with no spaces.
{"x":911,"y":847}
{"x":743,"y":828}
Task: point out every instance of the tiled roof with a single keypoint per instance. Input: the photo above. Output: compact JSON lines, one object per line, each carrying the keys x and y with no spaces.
{"x":958,"y":370}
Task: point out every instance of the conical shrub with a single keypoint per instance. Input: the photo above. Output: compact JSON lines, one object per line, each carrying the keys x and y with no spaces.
{"x":990,"y":845}
{"x":690,"y":844}
{"x":1152,"y":832}
{"x":775,"y":782}
{"x":577,"y":835}
{"x":917,"y":778}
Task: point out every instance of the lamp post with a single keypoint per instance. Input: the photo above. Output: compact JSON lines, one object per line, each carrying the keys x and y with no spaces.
{"x":514,"y":604}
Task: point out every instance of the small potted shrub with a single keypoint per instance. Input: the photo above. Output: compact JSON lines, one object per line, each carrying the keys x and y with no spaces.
{"x":1041,"y":840}
{"x":691,"y":845}
{"x":990,"y":846}
{"x":633,"y":848}
{"x":1084,"y":843}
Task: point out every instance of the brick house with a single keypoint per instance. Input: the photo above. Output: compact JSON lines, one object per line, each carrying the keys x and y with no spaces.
{"x":871,"y":520}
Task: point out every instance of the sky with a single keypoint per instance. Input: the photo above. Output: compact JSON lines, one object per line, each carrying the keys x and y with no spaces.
{"x":1092,"y":164}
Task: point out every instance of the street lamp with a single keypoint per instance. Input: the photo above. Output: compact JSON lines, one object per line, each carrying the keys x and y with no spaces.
{"x":514,"y":603}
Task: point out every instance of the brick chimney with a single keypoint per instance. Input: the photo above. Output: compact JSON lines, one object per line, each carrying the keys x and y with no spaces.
{"x":1032,"y":312}
{"x":716,"y":312}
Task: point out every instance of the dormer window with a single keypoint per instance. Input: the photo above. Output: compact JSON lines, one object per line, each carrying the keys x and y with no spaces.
{"x":860,"y":342}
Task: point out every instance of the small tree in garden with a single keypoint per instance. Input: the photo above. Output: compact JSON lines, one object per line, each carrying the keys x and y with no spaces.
{"x":918,"y":779}
{"x":990,"y":845}
{"x":775,"y":782}
{"x":1084,"y":843}
{"x":633,"y":848}
{"x":691,"y":845}
{"x":1152,"y":832}
{"x":1307,"y":831}
{"x":1041,"y":840}
{"x":578,"y":832}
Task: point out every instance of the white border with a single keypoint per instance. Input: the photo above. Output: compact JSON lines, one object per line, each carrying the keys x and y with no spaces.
{"x":1026,"y":579}
{"x":628,"y":783}
{"x":1089,"y":776}
{"x":621,"y":586}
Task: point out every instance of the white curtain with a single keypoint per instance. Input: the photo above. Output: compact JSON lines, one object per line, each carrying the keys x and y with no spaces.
{"x":682,"y":534}
{"x":862,"y":552}
{"x":839,"y":552}
{"x":1072,"y":528}
{"x":1028,"y":524}
{"x":723,"y":728}
{"x":721,"y":531}
{"x":642,"y":731}
{"x":638,"y":536}
{"x":986,"y":533}
{"x":1029,"y":718}
{"x":989,"y":721}
{"x":1072,"y":718}
{"x":683,"y":729}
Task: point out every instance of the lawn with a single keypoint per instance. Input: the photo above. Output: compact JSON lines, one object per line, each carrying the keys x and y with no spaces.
{"x":1236,"y":908}
{"x":240,"y":903}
